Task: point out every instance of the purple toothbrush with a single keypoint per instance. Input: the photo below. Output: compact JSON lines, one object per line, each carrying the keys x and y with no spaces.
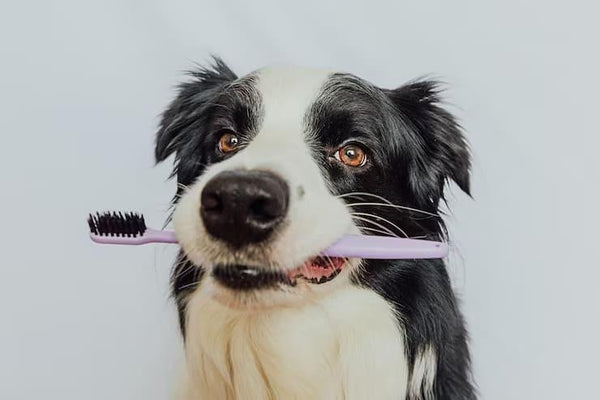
{"x":130,"y":229}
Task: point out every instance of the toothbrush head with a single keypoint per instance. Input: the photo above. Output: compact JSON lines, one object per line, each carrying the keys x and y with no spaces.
{"x":119,"y":224}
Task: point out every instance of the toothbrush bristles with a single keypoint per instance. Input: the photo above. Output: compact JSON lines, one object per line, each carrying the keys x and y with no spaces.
{"x":128,"y":224}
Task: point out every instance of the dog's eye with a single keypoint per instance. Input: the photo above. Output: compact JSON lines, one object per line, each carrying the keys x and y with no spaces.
{"x":352,"y":155}
{"x":228,"y":143}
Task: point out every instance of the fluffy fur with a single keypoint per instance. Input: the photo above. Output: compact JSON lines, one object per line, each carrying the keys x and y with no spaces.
{"x":381,"y":329}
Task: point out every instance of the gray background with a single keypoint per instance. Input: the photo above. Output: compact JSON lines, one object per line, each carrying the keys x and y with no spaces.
{"x":82,"y":84}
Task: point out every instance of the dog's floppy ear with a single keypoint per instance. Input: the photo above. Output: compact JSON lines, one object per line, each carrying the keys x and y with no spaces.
{"x":441,"y":150}
{"x":192,"y":97}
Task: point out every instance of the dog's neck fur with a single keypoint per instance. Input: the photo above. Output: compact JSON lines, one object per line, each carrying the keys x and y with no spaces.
{"x":346,"y":345}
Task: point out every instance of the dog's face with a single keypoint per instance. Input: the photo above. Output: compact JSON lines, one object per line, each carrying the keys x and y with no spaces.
{"x":275,"y":166}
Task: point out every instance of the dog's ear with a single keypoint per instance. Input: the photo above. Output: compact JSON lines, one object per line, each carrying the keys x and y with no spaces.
{"x":441,"y":150}
{"x":192,"y":97}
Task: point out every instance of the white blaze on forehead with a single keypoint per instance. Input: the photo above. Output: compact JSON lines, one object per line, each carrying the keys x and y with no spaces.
{"x":287,"y":94}
{"x":281,"y":145}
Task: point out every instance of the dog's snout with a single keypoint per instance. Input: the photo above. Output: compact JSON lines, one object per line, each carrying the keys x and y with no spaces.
{"x":243,"y":207}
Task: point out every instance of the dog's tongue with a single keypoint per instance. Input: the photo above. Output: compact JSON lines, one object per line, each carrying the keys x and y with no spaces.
{"x":319,"y":267}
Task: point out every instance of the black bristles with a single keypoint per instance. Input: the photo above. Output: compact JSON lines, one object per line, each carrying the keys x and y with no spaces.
{"x":117,"y":224}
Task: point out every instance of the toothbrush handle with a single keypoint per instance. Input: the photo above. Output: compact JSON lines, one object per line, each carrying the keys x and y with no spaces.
{"x":386,"y":247}
{"x":150,"y":236}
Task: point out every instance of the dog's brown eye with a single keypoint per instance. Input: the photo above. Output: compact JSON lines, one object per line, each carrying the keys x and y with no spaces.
{"x":228,"y":143}
{"x":352,"y":155}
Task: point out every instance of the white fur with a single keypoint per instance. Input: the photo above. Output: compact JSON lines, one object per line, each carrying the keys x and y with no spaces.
{"x":346,"y":345}
{"x":328,"y":341}
{"x":423,"y":374}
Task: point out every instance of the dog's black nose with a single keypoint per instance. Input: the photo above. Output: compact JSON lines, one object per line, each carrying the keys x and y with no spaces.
{"x":242,"y":207}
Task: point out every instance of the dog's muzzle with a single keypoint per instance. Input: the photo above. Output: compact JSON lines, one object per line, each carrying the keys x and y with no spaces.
{"x":240,"y":208}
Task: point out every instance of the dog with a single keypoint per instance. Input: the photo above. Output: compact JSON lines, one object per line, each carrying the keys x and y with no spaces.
{"x":273,"y":167}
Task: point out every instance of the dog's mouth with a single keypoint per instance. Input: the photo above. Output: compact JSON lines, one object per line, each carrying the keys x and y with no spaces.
{"x":317,"y":270}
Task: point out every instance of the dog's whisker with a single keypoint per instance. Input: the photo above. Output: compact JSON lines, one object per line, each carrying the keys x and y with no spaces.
{"x":184,"y":271}
{"x":382,"y":219}
{"x":377,"y":224}
{"x":362,"y":194}
{"x":373,"y":195}
{"x":182,"y":187}
{"x":368,"y":228}
{"x":189,"y":285}
{"x":329,"y":261}
{"x":393,"y":206}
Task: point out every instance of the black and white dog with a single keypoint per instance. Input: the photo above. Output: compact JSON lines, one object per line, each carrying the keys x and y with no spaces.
{"x":272,"y":168}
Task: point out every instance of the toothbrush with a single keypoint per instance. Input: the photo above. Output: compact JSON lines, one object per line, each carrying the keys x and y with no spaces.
{"x":130,"y":229}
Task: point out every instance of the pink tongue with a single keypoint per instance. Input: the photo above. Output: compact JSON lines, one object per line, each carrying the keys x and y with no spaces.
{"x":320,"y":267}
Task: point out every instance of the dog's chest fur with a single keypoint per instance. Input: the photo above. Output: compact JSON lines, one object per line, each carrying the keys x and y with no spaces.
{"x":346,"y":345}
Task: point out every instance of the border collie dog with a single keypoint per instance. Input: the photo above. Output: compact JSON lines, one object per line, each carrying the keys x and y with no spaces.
{"x":272,"y":168}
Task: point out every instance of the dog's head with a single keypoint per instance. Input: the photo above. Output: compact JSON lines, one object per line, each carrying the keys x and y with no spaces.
{"x":274,"y":166}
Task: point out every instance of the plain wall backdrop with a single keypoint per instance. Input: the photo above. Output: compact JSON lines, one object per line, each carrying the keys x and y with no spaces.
{"x":82,"y":84}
